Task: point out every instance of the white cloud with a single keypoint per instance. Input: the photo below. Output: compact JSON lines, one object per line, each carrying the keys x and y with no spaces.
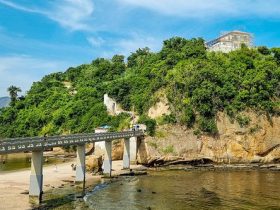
{"x":208,"y":8}
{"x":71,"y":14}
{"x":22,"y":71}
{"x":95,"y":41}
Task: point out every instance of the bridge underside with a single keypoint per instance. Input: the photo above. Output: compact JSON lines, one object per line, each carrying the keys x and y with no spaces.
{"x":38,"y":144}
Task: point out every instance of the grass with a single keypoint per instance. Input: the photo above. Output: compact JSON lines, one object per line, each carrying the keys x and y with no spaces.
{"x":160,"y":134}
{"x":153,"y":144}
{"x":168,"y":150}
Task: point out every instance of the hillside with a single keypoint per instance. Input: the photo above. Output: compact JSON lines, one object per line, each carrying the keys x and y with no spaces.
{"x":197,"y":84}
{"x":4,"y":101}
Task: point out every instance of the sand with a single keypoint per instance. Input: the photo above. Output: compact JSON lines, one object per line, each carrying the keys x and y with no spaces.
{"x":13,"y":184}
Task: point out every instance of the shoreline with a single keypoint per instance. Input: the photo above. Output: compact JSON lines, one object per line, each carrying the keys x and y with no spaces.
{"x":15,"y":184}
{"x":219,"y":167}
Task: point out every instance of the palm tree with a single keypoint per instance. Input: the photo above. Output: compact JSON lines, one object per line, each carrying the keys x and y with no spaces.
{"x":13,"y":91}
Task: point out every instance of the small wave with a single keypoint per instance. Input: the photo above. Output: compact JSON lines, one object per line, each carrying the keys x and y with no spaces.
{"x":95,"y":190}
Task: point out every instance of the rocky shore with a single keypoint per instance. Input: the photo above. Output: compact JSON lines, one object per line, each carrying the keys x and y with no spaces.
{"x":219,"y":167}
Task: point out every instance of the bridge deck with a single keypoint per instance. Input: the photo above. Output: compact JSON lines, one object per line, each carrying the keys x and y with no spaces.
{"x":15,"y":145}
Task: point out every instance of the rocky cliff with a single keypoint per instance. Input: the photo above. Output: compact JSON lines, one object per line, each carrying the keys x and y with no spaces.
{"x":259,"y":141}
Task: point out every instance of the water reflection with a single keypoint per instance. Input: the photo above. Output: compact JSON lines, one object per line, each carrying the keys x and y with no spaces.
{"x":19,"y":161}
{"x":192,"y":190}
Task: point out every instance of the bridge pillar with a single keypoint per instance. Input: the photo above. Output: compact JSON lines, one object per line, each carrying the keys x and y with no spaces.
{"x":81,"y":163}
{"x":36,"y":177}
{"x":133,"y":149}
{"x":108,"y":158}
{"x":126,"y":154}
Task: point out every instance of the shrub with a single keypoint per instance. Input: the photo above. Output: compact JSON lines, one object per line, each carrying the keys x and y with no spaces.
{"x":160,"y":134}
{"x":208,"y":125}
{"x":168,"y":150}
{"x":188,"y":117}
{"x":243,"y":121}
{"x":197,"y":132}
{"x":150,"y":123}
{"x":254,"y":129}
{"x":169,"y":119}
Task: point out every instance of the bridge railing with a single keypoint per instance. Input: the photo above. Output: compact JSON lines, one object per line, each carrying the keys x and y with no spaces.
{"x":41,"y":143}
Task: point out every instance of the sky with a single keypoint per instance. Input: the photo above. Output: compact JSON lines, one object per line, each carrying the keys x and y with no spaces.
{"x":44,"y":36}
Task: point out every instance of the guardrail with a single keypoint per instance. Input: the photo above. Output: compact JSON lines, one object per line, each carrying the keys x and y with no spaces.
{"x":41,"y":143}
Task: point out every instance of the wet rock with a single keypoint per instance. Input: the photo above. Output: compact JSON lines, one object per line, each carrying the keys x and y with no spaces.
{"x":26,"y":192}
{"x":134,"y":173}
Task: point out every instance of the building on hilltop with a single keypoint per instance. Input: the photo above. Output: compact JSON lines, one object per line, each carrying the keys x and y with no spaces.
{"x":230,"y":41}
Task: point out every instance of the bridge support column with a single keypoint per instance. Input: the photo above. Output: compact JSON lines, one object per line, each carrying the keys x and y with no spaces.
{"x":81,"y":163}
{"x":126,"y":154}
{"x":36,"y":177}
{"x":133,"y":149}
{"x":108,"y":158}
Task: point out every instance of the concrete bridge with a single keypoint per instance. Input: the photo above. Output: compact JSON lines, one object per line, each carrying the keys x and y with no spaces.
{"x":37,"y":145}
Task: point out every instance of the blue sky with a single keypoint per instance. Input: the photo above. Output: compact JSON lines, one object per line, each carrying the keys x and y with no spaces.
{"x":43,"y":36}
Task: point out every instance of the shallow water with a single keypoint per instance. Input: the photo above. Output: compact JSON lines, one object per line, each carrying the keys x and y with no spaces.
{"x":190,"y":190}
{"x":22,"y":161}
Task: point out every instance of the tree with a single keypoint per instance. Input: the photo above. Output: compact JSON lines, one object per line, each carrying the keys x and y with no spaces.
{"x":13,"y":92}
{"x":197,"y":84}
{"x":276,"y":53}
{"x":264,"y":50}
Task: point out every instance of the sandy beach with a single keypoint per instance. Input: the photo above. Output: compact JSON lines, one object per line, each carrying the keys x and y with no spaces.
{"x":15,"y":185}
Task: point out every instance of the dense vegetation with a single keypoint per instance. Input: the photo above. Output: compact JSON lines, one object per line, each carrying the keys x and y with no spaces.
{"x":197,"y":83}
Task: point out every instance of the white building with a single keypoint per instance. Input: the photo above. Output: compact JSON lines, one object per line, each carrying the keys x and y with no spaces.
{"x":230,"y":41}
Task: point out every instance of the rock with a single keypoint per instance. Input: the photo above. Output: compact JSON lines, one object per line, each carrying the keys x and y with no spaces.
{"x":26,"y":192}
{"x":257,"y":143}
{"x":268,"y":166}
{"x":117,"y":150}
{"x":160,"y":108}
{"x":134,"y":173}
{"x":94,"y":163}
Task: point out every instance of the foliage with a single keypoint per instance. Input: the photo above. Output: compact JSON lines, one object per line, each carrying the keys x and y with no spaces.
{"x":13,"y":92}
{"x":168,"y":150}
{"x":243,"y":120}
{"x":197,"y":83}
{"x":150,"y":123}
{"x":208,"y":125}
{"x":166,"y":119}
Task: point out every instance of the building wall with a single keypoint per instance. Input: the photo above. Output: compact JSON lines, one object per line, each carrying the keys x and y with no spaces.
{"x":113,"y":107}
{"x":111,"y":104}
{"x":229,"y":42}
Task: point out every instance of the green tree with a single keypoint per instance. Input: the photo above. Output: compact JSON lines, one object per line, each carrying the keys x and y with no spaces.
{"x":13,"y":92}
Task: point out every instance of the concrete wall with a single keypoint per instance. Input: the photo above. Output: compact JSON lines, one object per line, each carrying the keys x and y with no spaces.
{"x":111,"y":104}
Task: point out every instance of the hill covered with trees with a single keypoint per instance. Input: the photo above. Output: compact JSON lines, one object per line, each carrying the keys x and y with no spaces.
{"x":197,"y":83}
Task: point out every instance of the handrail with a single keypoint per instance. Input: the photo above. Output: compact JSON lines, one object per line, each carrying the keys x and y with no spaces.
{"x":41,"y":143}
